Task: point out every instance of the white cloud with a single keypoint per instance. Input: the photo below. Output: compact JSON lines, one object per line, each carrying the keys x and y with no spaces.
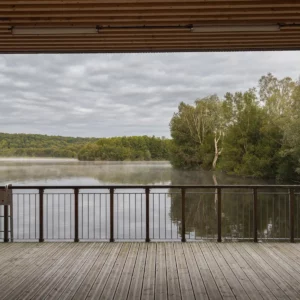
{"x":122,"y":94}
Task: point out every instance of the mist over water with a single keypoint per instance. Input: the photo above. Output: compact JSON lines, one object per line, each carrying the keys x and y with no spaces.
{"x":129,"y":204}
{"x":24,"y":171}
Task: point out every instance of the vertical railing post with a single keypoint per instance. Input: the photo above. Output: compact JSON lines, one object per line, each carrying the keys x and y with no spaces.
{"x":76,"y":223}
{"x":6,"y":239}
{"x":183,"y":239}
{"x":255,"y":218}
{"x":147,"y":190}
{"x":292,"y":215}
{"x":219,"y":197}
{"x":111,"y":192}
{"x":41,"y":194}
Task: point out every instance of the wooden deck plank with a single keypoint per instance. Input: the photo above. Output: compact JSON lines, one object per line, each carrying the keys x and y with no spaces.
{"x":208,"y":280}
{"x":115,"y":274}
{"x":126,"y":276}
{"x":78,"y":267}
{"x":242,"y":275}
{"x":265,"y":273}
{"x":283,"y":257}
{"x":72,"y":287}
{"x":196,"y":278}
{"x":285,"y":272}
{"x":23,"y":273}
{"x":15,"y":255}
{"x":148,"y":288}
{"x":86,"y":285}
{"x":161,"y":288}
{"x":185,"y":283}
{"x":220,"y":279}
{"x":136,"y":284}
{"x":59,"y":277}
{"x":150,"y":271}
{"x":233,"y":282}
{"x":102,"y":277}
{"x":41,"y":278}
{"x":293,"y":252}
{"x":172,"y":273}
{"x":276,"y":284}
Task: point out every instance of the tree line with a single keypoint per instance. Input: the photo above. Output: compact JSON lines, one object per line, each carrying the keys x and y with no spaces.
{"x":132,"y":148}
{"x":111,"y":149}
{"x":253,"y":133}
{"x":37,"y":145}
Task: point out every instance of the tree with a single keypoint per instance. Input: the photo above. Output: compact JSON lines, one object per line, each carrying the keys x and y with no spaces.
{"x":197,"y":133}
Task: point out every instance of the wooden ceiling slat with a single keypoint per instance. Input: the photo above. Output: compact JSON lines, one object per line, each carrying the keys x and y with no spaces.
{"x":295,"y":15}
{"x":153,"y":12}
{"x":174,"y":46}
{"x":139,"y":13}
{"x":257,"y":5}
{"x":167,"y":40}
{"x":147,"y":43}
{"x":67,"y":2}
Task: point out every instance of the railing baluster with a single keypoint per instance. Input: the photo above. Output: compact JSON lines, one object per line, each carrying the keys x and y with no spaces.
{"x":6,"y":238}
{"x":183,"y":239}
{"x":41,"y":219}
{"x":147,"y":190}
{"x":76,"y":223}
{"x":292,"y":215}
{"x":111,"y":192}
{"x":255,"y":215}
{"x":219,"y":197}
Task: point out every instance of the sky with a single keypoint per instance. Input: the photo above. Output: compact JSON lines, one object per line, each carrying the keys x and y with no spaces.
{"x":103,"y":95}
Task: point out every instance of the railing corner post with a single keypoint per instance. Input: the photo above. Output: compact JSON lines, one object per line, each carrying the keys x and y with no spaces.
{"x":41,"y":220}
{"x":219,"y":198}
{"x":255,"y":238}
{"x":292,"y":215}
{"x":183,"y":239}
{"x":111,"y":192}
{"x":147,"y":190}
{"x":76,"y":223}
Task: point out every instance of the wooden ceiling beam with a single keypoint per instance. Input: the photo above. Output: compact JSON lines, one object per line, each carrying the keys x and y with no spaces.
{"x":70,"y":48}
{"x":128,"y":43}
{"x":68,"y":2}
{"x":234,"y":5}
{"x":121,"y":38}
{"x":122,"y":19}
{"x":152,"y":12}
{"x":149,"y":42}
{"x":147,"y":21}
{"x":173,"y":14}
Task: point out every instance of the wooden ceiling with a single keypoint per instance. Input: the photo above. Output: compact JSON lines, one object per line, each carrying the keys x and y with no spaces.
{"x":148,"y":25}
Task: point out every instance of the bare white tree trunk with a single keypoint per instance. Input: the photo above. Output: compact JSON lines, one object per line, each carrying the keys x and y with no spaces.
{"x":217,"y":151}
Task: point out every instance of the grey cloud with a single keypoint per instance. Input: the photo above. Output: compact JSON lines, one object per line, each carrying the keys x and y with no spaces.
{"x":121,"y":94}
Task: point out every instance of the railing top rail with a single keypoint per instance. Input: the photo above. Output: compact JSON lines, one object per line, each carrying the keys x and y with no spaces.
{"x":85,"y":187}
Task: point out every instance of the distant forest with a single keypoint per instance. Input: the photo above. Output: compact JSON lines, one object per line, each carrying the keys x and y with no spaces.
{"x":111,"y":149}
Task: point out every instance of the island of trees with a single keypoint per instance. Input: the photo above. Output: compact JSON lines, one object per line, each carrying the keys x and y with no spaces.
{"x":254,"y":133}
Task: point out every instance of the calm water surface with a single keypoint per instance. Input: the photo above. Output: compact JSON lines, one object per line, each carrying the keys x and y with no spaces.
{"x":129,"y":210}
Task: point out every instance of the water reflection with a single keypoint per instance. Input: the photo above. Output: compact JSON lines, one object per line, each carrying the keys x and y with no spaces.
{"x":129,"y":210}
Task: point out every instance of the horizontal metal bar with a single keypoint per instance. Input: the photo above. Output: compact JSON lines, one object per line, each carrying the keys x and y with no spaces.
{"x":86,"y":187}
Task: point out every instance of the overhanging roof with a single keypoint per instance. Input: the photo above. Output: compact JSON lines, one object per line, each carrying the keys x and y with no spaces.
{"x":147,"y":25}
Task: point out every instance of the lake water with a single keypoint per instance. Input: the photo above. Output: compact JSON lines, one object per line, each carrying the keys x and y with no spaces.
{"x":129,"y":205}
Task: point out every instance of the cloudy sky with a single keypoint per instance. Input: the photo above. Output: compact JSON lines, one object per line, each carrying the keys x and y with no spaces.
{"x":105,"y":95}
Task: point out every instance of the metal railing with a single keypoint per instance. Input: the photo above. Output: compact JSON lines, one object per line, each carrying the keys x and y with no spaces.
{"x":223,"y":212}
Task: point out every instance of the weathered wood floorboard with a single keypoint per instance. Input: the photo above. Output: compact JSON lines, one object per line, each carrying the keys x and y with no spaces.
{"x":163,"y":270}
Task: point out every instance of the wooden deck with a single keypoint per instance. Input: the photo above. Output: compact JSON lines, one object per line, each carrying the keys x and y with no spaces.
{"x":149,"y":271}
